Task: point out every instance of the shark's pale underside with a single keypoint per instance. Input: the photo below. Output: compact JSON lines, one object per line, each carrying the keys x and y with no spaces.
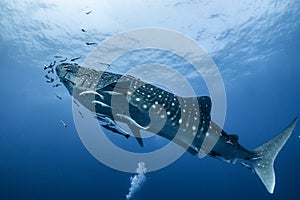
{"x":158,"y":111}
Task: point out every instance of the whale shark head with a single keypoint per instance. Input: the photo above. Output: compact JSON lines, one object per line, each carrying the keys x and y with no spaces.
{"x":75,"y":77}
{"x":67,"y":73}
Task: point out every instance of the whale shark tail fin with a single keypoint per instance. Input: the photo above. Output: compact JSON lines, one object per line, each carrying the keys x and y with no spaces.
{"x":266,"y":154}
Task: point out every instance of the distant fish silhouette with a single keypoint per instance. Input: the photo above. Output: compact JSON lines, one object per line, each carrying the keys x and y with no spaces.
{"x":83,"y":30}
{"x":89,"y":12}
{"x":57,"y":85}
{"x":63,"y":123}
{"x":57,"y":56}
{"x":49,"y":66}
{"x":49,"y":79}
{"x":76,"y":58}
{"x":90,"y":43}
{"x":247,"y":166}
{"x":51,"y":71}
{"x":81,"y":115}
{"x":52,"y":65}
{"x":63,"y":60}
{"x":76,"y":103}
{"x":102,"y":63}
{"x":59,"y":97}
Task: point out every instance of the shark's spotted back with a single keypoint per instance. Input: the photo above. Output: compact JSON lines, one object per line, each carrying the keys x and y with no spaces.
{"x":149,"y":104}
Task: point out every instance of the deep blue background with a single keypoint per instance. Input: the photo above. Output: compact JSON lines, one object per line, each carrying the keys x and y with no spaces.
{"x":39,"y":159}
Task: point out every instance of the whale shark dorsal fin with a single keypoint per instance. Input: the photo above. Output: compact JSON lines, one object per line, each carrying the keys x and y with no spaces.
{"x":234,"y":137}
{"x":205,"y":104}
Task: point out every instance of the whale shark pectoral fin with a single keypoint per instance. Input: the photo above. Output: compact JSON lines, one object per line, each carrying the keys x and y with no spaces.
{"x":136,"y":132}
{"x":134,"y":127}
{"x":266,"y":155}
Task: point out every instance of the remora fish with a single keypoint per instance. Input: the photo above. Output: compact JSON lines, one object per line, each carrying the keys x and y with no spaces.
{"x":149,"y":106}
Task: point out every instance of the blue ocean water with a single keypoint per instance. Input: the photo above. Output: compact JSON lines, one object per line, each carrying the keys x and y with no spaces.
{"x":255,"y":45}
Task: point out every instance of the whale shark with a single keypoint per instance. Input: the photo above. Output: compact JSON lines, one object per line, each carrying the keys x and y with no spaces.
{"x":185,"y":121}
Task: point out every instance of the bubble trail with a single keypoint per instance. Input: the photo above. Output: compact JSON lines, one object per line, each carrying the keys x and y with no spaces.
{"x":137,"y":181}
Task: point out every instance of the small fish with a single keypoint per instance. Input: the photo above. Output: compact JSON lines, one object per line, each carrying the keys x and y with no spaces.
{"x":89,"y":12}
{"x":49,"y":66}
{"x":112,"y":93}
{"x":47,"y":77}
{"x":51,"y":71}
{"x":247,"y":166}
{"x":132,"y":121}
{"x":50,"y":79}
{"x":57,"y":85}
{"x":102,"y":63}
{"x":76,"y":103}
{"x":59,"y":97}
{"x":63,"y":123}
{"x":229,"y":142}
{"x":52,"y":64}
{"x":80,"y":113}
{"x":90,"y":43}
{"x":91,"y":92}
{"x":83,"y":30}
{"x":101,"y":103}
{"x":76,"y":58}
{"x":57,"y":56}
{"x":63,"y":60}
